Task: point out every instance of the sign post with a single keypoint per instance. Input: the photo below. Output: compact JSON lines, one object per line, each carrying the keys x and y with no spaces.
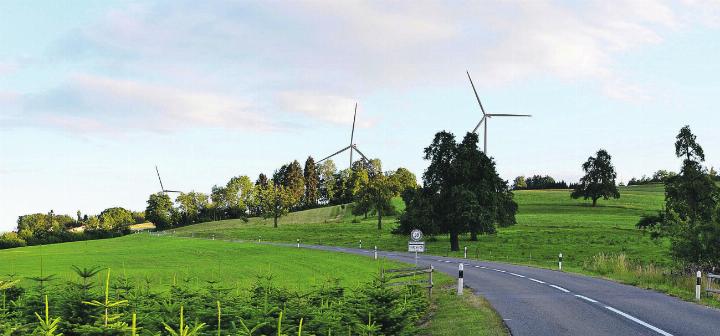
{"x":416,"y":244}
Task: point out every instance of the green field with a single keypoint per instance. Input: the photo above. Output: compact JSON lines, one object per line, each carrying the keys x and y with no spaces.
{"x":163,"y":260}
{"x":549,"y":222}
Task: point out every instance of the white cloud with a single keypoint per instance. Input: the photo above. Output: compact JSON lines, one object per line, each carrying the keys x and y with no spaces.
{"x":308,"y":57}
{"x":102,"y":104}
{"x":326,"y":108}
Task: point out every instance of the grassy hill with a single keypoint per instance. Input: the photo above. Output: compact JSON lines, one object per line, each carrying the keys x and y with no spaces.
{"x":549,"y":222}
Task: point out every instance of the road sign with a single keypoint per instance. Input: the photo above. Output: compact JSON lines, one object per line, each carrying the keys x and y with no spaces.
{"x":416,"y":246}
{"x":416,"y":235}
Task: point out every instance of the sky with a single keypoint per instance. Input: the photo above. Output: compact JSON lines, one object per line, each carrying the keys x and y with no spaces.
{"x":94,"y":94}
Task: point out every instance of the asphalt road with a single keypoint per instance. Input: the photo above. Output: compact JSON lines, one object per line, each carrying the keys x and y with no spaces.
{"x":535,"y":301}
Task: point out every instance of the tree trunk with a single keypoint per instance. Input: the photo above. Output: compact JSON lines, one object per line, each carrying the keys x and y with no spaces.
{"x":454,"y":242}
{"x":275,"y":218}
{"x":594,"y":201}
{"x":379,"y":220}
{"x":473,"y":235}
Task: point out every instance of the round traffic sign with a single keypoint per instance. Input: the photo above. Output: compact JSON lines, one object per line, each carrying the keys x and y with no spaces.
{"x":416,"y":235}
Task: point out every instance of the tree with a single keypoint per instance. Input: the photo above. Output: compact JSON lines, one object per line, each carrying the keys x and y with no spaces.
{"x":376,"y":194}
{"x":403,"y":179}
{"x":159,"y":210}
{"x":519,"y":183}
{"x":599,"y":179}
{"x":463,"y":189}
{"x":116,"y":219}
{"x":277,"y":200}
{"x":687,"y":146}
{"x":312,"y":183}
{"x":190,"y":205}
{"x":238,"y":195}
{"x":327,"y":171}
{"x":291,"y":177}
{"x":691,"y":218}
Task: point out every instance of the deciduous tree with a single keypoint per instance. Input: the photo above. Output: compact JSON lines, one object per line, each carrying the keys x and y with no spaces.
{"x":599,"y":179}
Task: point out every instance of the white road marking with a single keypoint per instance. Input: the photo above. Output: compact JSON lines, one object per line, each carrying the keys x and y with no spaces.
{"x":448,"y":261}
{"x":476,"y":266}
{"x":517,"y":275}
{"x":560,"y":288}
{"x":639,"y":321}
{"x":586,"y":298}
{"x":536,"y":280}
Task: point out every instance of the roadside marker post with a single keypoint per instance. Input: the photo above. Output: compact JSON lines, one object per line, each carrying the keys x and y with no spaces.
{"x":431,"y":280}
{"x":465,"y":252}
{"x":375,"y":254}
{"x":460,"y":280}
{"x":697,"y":285}
{"x":560,"y":261}
{"x":298,"y":243}
{"x":213,"y":237}
{"x":360,"y":243}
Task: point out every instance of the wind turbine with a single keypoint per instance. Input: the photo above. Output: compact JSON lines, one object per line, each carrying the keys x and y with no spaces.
{"x":488,"y":115}
{"x":162,"y":189}
{"x":352,"y":147}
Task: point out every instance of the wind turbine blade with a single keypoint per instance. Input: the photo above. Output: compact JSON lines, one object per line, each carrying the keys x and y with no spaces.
{"x":478,"y":125}
{"x":476,"y":94}
{"x":336,"y":153}
{"x":352,"y":134}
{"x":361,"y":153}
{"x":159,"y":179}
{"x":509,"y":115}
{"x":172,"y":191}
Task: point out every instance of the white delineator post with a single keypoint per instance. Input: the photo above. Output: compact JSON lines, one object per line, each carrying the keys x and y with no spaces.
{"x":360,"y":243}
{"x":375,"y":254}
{"x":298,"y":243}
{"x":460,"y":280}
{"x":465,"y":252}
{"x":697,"y":285}
{"x":213,"y":237}
{"x":560,"y":261}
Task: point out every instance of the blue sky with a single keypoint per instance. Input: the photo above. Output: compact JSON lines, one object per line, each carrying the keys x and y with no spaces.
{"x":93,"y":94}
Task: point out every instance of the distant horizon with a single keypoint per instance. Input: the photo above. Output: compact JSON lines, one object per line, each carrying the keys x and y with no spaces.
{"x":93,"y":95}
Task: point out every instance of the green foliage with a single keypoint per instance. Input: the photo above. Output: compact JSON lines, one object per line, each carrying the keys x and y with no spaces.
{"x":191,"y":205}
{"x":691,"y":218}
{"x":312,"y":184}
{"x":159,"y":210}
{"x":116,"y":219}
{"x":463,"y":191}
{"x":599,"y":179}
{"x":375,"y":194}
{"x":10,"y":240}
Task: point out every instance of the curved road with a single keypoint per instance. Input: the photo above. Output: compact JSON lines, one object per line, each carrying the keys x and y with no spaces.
{"x":535,"y":301}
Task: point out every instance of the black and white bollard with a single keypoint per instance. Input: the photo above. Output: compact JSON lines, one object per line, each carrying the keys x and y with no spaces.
{"x":375,"y":254}
{"x":361,"y":243}
{"x":465,"y":254}
{"x":213,"y":237}
{"x":259,"y":238}
{"x":298,"y":243}
{"x":560,"y":261}
{"x":697,"y":285}
{"x":460,"y":280}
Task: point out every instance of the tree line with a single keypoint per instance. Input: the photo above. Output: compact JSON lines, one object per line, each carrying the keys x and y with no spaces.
{"x":538,"y":182}
{"x":48,"y":228}
{"x":292,"y":187}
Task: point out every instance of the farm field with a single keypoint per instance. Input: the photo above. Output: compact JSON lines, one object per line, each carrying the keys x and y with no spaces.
{"x":163,"y":260}
{"x":549,"y":222}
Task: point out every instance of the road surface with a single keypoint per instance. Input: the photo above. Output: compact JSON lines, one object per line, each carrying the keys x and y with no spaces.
{"x":535,"y":301}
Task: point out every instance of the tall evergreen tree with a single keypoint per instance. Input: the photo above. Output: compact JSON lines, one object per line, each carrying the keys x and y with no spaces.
{"x":599,"y":179}
{"x":312,"y":183}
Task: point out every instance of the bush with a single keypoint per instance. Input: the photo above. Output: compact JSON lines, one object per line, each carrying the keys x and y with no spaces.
{"x":10,"y":240}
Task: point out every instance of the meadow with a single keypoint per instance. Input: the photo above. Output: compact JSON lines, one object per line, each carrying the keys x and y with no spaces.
{"x":549,"y":223}
{"x":152,"y":272}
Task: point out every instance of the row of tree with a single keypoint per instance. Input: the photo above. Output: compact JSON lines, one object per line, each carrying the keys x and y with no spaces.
{"x":45,"y":228}
{"x":289,"y":188}
{"x":538,"y":182}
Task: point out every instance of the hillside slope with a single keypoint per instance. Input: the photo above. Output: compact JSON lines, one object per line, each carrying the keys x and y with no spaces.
{"x":549,"y":222}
